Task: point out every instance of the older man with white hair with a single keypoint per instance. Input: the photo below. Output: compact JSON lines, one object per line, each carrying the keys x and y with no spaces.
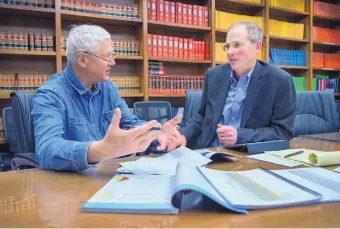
{"x":78,"y":114}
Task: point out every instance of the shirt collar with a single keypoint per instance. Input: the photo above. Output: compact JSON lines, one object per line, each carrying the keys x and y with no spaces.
{"x":76,"y":84}
{"x":248,"y":74}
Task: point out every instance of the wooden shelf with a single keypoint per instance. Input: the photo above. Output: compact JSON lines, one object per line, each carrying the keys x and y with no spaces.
{"x":220,"y":62}
{"x":271,"y":37}
{"x":5,"y":96}
{"x":287,"y":13}
{"x":6,"y":9}
{"x":132,"y":95}
{"x":158,"y":24}
{"x":325,"y":19}
{"x":96,"y":18}
{"x":24,"y":52}
{"x":181,"y":61}
{"x":167,"y":95}
{"x":2,"y":140}
{"x":327,"y":69}
{"x":238,"y":5}
{"x":325,"y":44}
{"x":293,"y":67}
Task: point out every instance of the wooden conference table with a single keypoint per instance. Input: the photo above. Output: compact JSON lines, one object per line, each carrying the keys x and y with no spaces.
{"x":37,"y":198}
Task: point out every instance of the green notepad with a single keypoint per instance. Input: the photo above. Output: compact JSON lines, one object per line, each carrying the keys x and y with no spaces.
{"x":310,"y":157}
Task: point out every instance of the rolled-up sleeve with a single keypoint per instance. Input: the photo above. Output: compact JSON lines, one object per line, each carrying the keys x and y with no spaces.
{"x":52,"y":149}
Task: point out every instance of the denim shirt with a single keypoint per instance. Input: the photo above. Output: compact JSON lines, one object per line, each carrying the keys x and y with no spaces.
{"x":68,"y":117}
{"x":233,"y":108}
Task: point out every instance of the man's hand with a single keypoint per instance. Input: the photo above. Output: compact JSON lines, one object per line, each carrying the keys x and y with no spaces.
{"x":118,"y":142}
{"x":227,"y":134}
{"x":170,"y":138}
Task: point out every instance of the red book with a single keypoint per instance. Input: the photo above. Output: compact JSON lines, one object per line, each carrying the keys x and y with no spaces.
{"x":160,"y":46}
{"x":179,"y":13}
{"x":165,"y":47}
{"x":149,"y":9}
{"x":160,"y":10}
{"x":190,"y":15}
{"x":173,"y":12}
{"x":206,"y":50}
{"x":191,"y":49}
{"x":195,"y":15}
{"x":180,"y":49}
{"x":185,"y":48}
{"x":185,"y":14}
{"x":200,"y":15}
{"x":206,"y":16}
{"x":166,"y":11}
{"x":150,"y":45}
{"x":154,"y":45}
{"x":171,"y":47}
{"x":153,"y":10}
{"x":175,"y":47}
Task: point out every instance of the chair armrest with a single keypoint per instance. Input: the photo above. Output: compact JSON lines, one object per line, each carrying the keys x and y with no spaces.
{"x":24,"y":159}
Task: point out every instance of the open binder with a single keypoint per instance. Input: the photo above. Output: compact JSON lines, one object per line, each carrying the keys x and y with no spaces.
{"x":237,"y":191}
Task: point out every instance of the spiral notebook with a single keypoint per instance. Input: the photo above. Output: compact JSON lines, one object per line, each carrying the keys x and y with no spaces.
{"x":236,"y":191}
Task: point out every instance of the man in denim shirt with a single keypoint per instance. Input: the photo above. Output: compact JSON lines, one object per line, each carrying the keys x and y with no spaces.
{"x":78,"y":114}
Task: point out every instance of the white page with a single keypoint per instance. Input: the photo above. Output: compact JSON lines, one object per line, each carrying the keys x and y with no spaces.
{"x":273,"y":159}
{"x":167,"y":163}
{"x":255,"y":189}
{"x":320,"y":180}
{"x":137,"y":189}
{"x":337,"y":170}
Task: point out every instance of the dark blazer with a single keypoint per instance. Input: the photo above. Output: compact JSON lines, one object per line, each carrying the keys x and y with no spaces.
{"x":268,"y":113}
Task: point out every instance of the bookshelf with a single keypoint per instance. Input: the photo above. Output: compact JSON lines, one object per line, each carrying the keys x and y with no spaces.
{"x":57,"y":20}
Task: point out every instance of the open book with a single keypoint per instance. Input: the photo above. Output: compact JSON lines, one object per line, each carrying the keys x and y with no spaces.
{"x":309,"y":157}
{"x":233,"y":190}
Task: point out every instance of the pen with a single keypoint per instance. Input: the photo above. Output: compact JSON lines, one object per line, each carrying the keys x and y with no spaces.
{"x":127,"y":127}
{"x":293,"y":154}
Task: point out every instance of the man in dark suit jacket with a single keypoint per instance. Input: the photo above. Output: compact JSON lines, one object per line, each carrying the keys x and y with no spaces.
{"x":246,"y":100}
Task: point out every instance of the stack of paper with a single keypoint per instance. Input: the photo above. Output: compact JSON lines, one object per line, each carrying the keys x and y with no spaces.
{"x":165,"y":164}
{"x":309,"y":157}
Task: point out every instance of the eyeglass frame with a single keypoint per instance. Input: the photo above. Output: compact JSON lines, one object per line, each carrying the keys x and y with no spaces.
{"x":113,"y":56}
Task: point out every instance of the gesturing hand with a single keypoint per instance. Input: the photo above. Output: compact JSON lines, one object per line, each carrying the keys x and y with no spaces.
{"x":118,"y":142}
{"x":170,"y":138}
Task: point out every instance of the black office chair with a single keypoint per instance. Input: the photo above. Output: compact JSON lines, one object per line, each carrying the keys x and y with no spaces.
{"x":153,"y":110}
{"x":192,"y":104}
{"x":24,"y":156}
{"x":11,"y":140}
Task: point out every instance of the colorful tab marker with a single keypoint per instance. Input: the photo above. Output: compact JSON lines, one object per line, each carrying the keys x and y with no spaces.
{"x":120,"y":178}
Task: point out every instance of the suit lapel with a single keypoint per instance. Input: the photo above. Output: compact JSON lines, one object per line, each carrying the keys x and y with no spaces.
{"x":223,"y":85}
{"x":253,"y":91}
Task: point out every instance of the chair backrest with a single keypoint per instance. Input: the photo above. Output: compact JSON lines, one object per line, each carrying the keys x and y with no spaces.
{"x":153,"y":110}
{"x":192,"y":104}
{"x":316,"y":113}
{"x":22,"y":107}
{"x":10,"y":131}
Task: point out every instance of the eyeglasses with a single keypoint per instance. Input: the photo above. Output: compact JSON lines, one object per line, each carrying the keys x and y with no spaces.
{"x":113,"y":57}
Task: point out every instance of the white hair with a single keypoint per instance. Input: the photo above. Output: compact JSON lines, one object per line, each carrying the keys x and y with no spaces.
{"x":84,"y":38}
{"x":254,"y":31}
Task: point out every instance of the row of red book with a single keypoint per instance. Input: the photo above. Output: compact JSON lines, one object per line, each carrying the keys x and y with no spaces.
{"x":177,"y":12}
{"x":174,"y":84}
{"x":177,"y":48}
{"x":326,"y":60}
{"x":326,"y":9}
{"x":326,"y":35}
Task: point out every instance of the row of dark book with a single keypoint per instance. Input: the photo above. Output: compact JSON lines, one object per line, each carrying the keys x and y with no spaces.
{"x":13,"y":40}
{"x":127,"y":84}
{"x":33,"y":3}
{"x":117,"y":10}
